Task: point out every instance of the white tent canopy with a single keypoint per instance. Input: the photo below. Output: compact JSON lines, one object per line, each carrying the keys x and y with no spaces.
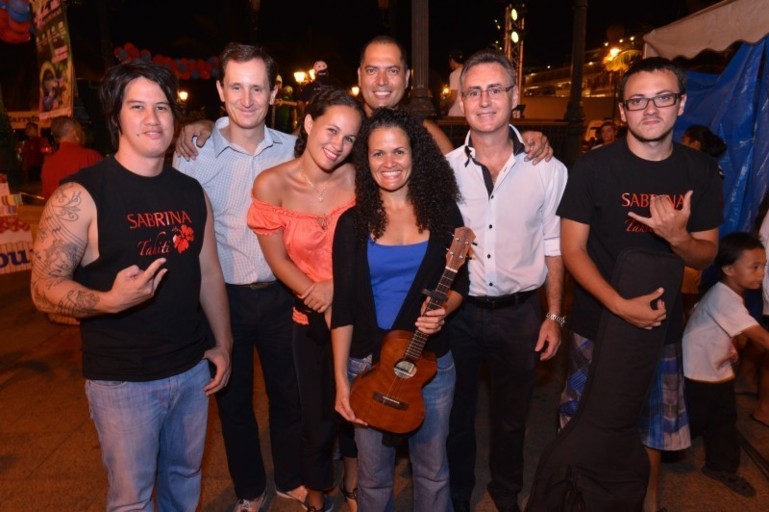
{"x":713,"y":28}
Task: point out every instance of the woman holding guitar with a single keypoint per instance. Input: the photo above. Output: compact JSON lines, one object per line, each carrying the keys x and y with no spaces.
{"x":294,"y":212}
{"x":388,"y":249}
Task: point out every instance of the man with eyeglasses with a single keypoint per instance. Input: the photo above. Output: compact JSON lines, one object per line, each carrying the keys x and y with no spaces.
{"x":510,"y":205}
{"x":642,"y":191}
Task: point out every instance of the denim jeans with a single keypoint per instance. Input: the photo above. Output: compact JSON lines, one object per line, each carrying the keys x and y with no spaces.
{"x":152,"y":433}
{"x":427,"y":449}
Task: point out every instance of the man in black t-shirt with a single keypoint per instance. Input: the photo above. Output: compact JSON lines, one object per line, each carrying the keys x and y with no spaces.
{"x":644,"y":191}
{"x":148,"y":362}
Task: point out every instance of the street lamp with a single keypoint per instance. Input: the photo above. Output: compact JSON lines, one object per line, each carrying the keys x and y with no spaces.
{"x":182,"y":96}
{"x":616,"y":62}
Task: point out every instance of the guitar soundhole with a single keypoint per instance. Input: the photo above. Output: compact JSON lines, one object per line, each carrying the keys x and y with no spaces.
{"x":405,"y":369}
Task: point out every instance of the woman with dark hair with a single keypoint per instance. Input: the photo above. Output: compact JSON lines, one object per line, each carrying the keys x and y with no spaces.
{"x":388,"y":249}
{"x":294,"y":212}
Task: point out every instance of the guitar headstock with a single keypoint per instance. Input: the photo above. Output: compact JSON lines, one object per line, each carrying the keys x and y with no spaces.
{"x":460,"y":246}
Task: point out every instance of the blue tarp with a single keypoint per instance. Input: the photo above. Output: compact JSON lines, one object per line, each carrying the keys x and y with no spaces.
{"x":735,"y":106}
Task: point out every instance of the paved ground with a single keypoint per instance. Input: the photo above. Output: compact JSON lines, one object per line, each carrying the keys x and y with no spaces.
{"x":49,"y":452}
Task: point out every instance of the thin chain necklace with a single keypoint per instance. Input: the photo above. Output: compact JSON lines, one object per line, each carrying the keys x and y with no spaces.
{"x":318,"y":191}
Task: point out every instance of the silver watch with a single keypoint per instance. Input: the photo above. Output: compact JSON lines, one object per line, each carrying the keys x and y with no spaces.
{"x":560,"y":320}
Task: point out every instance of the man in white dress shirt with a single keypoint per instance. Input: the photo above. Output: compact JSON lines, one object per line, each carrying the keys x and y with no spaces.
{"x":510,"y":205}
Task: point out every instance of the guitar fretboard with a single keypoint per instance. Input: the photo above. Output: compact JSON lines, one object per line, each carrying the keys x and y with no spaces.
{"x":419,"y":339}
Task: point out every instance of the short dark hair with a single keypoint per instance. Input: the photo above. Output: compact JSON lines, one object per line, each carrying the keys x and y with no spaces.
{"x":64,"y":125}
{"x":608,"y":123}
{"x":456,"y":55}
{"x":117,"y":78}
{"x":381,"y":39}
{"x":245,"y":52}
{"x":650,"y":64}
{"x":731,"y":247}
{"x":710,"y":143}
{"x":317,"y":107}
{"x":487,"y":57}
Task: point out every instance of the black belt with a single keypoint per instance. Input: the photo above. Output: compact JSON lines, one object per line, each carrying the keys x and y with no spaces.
{"x":503,"y":301}
{"x":259,"y":285}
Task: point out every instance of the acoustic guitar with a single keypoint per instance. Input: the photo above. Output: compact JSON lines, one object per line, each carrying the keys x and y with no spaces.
{"x":388,"y":396}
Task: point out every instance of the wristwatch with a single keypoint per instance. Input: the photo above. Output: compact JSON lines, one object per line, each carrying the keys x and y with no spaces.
{"x":560,"y":320}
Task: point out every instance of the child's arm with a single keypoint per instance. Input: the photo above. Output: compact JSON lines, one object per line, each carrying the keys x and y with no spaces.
{"x":758,"y":334}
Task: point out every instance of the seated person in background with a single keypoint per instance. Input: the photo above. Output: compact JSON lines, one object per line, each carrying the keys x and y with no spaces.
{"x":608,"y":133}
{"x":709,"y":351}
{"x":71,"y":155}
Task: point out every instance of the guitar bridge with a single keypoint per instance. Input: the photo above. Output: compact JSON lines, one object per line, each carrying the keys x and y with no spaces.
{"x":390,"y":402}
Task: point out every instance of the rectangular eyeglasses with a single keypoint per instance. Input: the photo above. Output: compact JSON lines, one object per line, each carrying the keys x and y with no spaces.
{"x":667,"y":99}
{"x":493,"y":91}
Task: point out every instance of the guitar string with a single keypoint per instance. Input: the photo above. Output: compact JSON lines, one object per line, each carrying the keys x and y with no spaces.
{"x":443,"y":287}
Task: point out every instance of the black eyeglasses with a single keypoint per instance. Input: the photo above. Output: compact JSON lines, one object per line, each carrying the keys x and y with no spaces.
{"x":660,"y":101}
{"x":494,"y":92}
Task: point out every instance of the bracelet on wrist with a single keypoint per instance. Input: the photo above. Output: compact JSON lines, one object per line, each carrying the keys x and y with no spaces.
{"x":560,"y":320}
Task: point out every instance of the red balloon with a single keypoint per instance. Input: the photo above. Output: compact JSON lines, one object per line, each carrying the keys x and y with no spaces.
{"x":133,"y":51}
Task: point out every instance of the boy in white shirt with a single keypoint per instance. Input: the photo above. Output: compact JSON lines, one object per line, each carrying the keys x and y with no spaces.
{"x":709,"y":351}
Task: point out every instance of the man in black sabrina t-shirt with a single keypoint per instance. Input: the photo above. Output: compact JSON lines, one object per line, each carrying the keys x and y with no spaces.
{"x":643,"y":191}
{"x":127,"y":245}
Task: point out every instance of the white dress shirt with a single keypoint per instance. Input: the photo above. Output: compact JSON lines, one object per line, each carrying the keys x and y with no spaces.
{"x":227,"y":172}
{"x":515,"y":225}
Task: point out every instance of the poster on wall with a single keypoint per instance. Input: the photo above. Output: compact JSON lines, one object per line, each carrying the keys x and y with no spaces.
{"x":54,"y":55}
{"x":15,"y":234}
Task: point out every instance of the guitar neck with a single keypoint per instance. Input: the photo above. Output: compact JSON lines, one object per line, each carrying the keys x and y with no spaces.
{"x":419,"y":339}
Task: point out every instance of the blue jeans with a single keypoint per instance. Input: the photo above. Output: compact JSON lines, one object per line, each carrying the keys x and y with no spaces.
{"x":427,"y":449}
{"x":152,"y":433}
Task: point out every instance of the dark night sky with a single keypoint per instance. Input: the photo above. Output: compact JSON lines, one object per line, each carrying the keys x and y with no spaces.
{"x":297,"y":32}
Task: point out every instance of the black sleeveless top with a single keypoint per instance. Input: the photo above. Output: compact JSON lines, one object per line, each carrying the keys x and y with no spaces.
{"x":139,"y":220}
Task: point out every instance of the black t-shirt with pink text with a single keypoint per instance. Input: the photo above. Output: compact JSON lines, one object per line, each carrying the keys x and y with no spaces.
{"x":605,"y":184}
{"x":141,"y":219}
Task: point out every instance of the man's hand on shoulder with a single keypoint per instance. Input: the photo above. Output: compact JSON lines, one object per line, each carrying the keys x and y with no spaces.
{"x":193,"y":136}
{"x":537,"y":147}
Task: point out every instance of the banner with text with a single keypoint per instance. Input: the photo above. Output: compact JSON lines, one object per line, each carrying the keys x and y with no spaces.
{"x":54,"y":55}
